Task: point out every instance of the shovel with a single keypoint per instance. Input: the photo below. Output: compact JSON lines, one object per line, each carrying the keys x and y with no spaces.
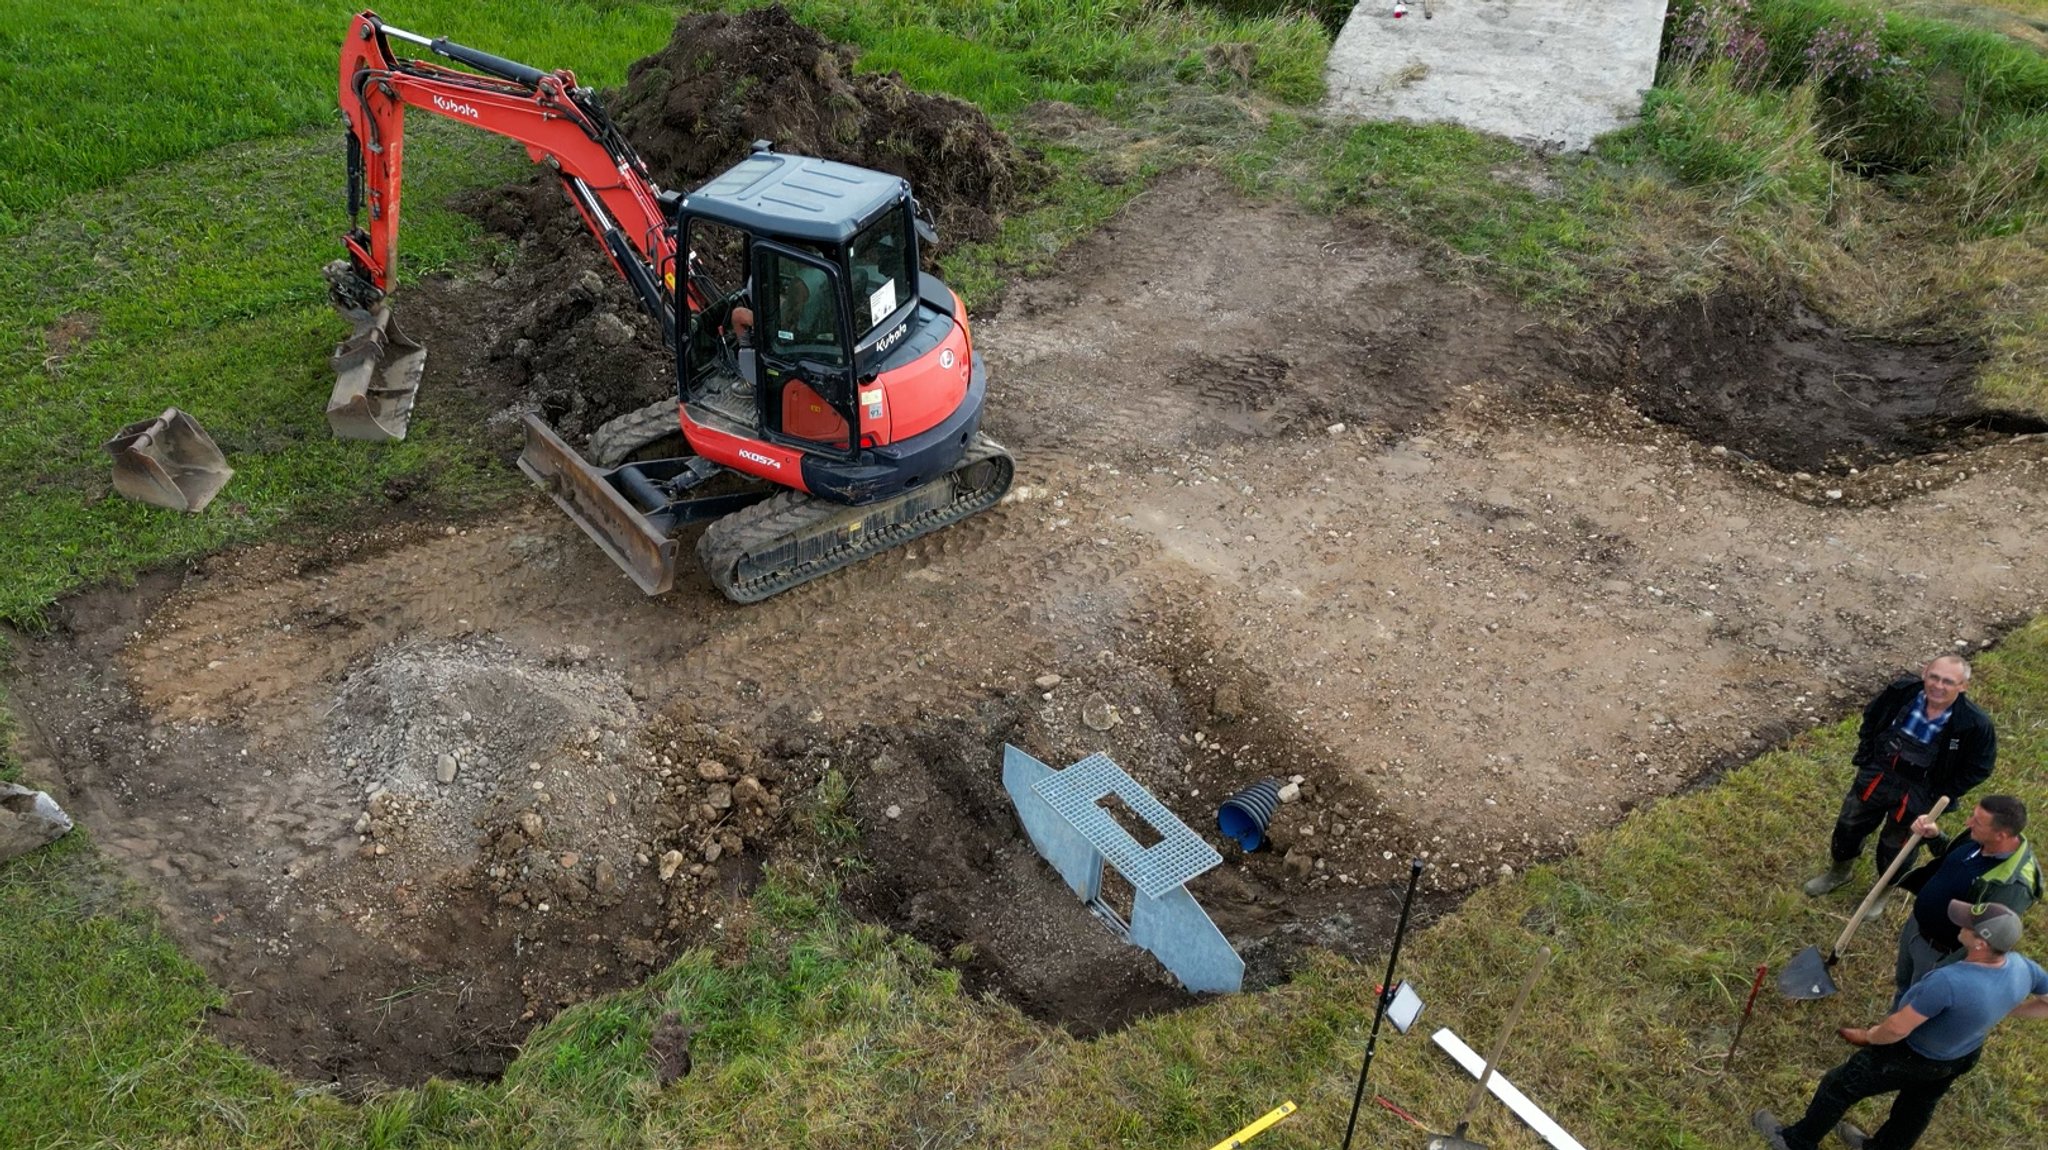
{"x":1806,"y":977}
{"x":1456,"y":1139}
{"x":168,"y":461}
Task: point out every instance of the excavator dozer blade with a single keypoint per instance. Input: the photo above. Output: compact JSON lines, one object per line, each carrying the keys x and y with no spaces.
{"x":168,"y":461}
{"x":641,"y":550}
{"x":376,"y":376}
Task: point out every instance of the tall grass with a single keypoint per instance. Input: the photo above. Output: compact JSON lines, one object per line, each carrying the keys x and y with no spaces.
{"x":1935,"y":105}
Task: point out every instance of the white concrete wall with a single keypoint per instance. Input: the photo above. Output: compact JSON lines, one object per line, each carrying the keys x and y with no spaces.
{"x":1552,"y":73}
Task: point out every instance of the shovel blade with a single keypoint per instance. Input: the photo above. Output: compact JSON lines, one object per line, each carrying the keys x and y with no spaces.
{"x":1456,"y":1141}
{"x":168,"y":461}
{"x":376,"y":377}
{"x":1806,"y":977}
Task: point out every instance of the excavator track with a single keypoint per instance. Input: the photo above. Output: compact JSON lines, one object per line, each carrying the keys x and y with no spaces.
{"x":794,"y":538}
{"x":623,"y":435}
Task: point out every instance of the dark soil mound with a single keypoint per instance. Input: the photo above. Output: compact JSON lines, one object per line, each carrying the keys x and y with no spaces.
{"x":726,"y":80}
{"x":578,"y":349}
{"x":1776,"y":381}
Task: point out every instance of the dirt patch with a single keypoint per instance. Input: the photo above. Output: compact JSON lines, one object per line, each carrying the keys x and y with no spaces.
{"x":1286,"y":506}
{"x":1771,"y":378}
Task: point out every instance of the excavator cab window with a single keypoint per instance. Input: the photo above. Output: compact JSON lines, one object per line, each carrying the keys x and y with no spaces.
{"x":802,"y":333}
{"x":884,"y":282}
{"x":717,"y":267}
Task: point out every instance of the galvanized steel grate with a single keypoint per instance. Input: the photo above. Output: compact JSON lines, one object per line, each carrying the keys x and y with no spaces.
{"x":1158,"y":870}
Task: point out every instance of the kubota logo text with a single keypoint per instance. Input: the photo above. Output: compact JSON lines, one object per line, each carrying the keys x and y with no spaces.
{"x":456,"y":108}
{"x":757,"y":457}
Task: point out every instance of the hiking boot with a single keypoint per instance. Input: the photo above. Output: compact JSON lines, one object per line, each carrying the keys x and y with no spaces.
{"x":1851,"y":1136}
{"x":1767,"y":1124}
{"x":1877,"y":908}
{"x":1836,"y":875}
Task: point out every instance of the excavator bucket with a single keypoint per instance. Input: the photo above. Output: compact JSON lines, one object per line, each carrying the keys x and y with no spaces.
{"x":169,"y":461}
{"x":643,"y":551}
{"x":376,"y":375}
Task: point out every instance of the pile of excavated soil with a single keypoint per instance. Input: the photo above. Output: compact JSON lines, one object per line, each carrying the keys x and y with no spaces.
{"x":578,"y":344}
{"x":725,"y":80}
{"x":1772,"y":379}
{"x":459,"y":745}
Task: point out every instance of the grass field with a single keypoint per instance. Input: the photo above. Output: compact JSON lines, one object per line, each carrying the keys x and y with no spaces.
{"x":169,"y":186}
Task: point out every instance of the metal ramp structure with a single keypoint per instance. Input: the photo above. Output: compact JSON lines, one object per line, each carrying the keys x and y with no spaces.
{"x":1063,"y":813}
{"x":1549,"y":73}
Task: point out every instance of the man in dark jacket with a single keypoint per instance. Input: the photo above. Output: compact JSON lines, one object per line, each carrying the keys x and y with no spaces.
{"x":1988,"y":862}
{"x":1921,"y":739}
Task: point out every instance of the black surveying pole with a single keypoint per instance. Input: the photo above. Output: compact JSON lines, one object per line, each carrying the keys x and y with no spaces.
{"x":1386,"y":995}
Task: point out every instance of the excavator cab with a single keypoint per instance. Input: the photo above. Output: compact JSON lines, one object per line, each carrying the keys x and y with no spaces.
{"x":848,"y":405}
{"x":829,"y":256}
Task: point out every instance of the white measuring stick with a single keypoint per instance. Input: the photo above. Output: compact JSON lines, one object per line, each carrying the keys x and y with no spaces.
{"x":1504,"y":1090}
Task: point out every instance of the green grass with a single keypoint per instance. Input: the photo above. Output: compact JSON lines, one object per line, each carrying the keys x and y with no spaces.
{"x":180,"y":288}
{"x":99,"y":90}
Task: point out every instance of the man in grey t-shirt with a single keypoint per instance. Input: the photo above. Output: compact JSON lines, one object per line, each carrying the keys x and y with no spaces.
{"x":1932,"y":1039}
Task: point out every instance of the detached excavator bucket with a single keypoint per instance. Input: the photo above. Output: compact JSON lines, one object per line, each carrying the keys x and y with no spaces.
{"x":169,"y":461}
{"x":376,"y":375}
{"x":638,"y":546}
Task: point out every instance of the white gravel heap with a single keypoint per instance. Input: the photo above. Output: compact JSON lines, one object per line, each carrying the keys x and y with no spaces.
{"x":439,"y":741}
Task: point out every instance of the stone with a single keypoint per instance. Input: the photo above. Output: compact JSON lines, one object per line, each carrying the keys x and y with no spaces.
{"x":719,"y":797}
{"x":445,"y":767}
{"x":1228,"y":702}
{"x":1290,"y":792}
{"x":1047,"y":682}
{"x":670,"y":863}
{"x":749,"y":792}
{"x":1097,"y":713}
{"x":29,"y":820}
{"x":894,"y":811}
{"x":530,"y":823}
{"x":712,"y":850}
{"x":1299,"y":863}
{"x":713,"y":771}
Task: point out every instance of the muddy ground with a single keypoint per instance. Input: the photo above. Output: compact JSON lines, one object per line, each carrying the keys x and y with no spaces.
{"x":1288,"y":504}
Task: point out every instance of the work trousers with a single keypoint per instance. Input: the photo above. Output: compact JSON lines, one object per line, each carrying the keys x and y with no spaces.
{"x":1917,"y":959}
{"x":1860,"y":816}
{"x":1875,"y":1070}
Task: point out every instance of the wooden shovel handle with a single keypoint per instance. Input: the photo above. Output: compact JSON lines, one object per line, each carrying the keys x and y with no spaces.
{"x":1884,"y":882}
{"x":1500,"y":1045}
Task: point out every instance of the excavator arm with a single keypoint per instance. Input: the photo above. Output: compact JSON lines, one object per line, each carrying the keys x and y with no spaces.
{"x":562,"y":127}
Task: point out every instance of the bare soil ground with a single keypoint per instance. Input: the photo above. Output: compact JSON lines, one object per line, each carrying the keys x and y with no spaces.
{"x":1287,"y":504}
{"x":1494,"y":609}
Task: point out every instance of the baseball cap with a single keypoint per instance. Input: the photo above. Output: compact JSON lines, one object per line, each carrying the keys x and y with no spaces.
{"x":1995,"y":923}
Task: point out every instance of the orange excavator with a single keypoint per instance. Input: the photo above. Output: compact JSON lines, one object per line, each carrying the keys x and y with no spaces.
{"x":827,"y":387}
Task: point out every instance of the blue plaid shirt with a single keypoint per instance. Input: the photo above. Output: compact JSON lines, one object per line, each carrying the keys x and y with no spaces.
{"x":1919,"y":727}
